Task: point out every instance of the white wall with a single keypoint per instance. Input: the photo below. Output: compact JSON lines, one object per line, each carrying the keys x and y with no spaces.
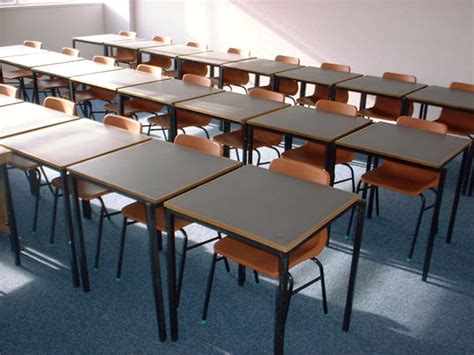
{"x":432,"y":39}
{"x":54,"y":25}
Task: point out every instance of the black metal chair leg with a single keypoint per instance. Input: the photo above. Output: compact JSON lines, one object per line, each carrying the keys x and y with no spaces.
{"x":210,"y":280}
{"x":53,"y":219}
{"x":377,"y":203}
{"x":349,"y":225}
{"x":351,"y":169}
{"x":259,"y":157}
{"x":241,"y":276}
{"x":255,"y":274}
{"x":323,"y":284}
{"x":290,"y":293}
{"x":102,"y":204}
{"x":99,"y":238}
{"x":121,"y":250}
{"x":46,"y":179}
{"x":226,"y":262}
{"x":37,"y":198}
{"x":181,"y":264}
{"x":205,"y":131}
{"x":237,"y":154}
{"x":418,"y":223}
{"x":160,"y":241}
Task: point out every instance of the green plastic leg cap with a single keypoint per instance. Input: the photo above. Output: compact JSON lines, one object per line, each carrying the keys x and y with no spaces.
{"x":96,"y":269}
{"x":51,"y":245}
{"x":326,"y":315}
{"x":408,"y":260}
{"x":33,"y":233}
{"x":203,"y":321}
{"x":118,"y":279}
{"x":347,"y":237}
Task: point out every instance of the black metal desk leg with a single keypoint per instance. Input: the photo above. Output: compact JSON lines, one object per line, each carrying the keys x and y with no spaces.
{"x":404,"y":108}
{"x":368,"y":166}
{"x":303,"y":89}
{"x":332,"y":92}
{"x":69,"y":230}
{"x":371,"y":193}
{"x":288,"y":142}
{"x":257,"y":80}
{"x":245,"y":138}
{"x":139,"y":57}
{"x":434,"y":221}
{"x":35,"y":89}
{"x":354,"y":265}
{"x":275,"y":80}
{"x":106,"y":51}
{"x":120,"y":104}
{"x":225,"y":129}
{"x":179,"y":68}
{"x":172,"y":295}
{"x":468,"y":166}
{"x":281,"y":304}
{"x":221,"y":77}
{"x":250,"y":144}
{"x":457,"y":195}
{"x":173,"y":131}
{"x":80,"y":235}
{"x":72,"y":91}
{"x":73,"y":43}
{"x":155,"y":270}
{"x":330,"y":161}
{"x":363,"y":100}
{"x":14,"y":239}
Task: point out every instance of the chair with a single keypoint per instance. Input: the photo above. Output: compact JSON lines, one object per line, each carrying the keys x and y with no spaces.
{"x":266,"y":263}
{"x":21,"y":74}
{"x":321,"y":92}
{"x":233,"y":77}
{"x":287,"y":87}
{"x":315,"y":153}
{"x":123,"y":55}
{"x":191,"y":67}
{"x":85,"y":96}
{"x":387,"y":108}
{"x":88,"y":191}
{"x":159,"y":60}
{"x":405,"y":179}
{"x":134,"y":106}
{"x":8,"y":90}
{"x":135,"y":212}
{"x":33,"y":170}
{"x":261,"y":138}
{"x":184,"y":118}
{"x":54,"y":84}
{"x":458,"y":122}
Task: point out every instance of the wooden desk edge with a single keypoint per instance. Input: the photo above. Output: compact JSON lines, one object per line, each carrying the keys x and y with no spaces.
{"x":6,"y":155}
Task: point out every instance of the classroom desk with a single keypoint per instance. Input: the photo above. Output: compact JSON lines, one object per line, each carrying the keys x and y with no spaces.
{"x":116,"y":79}
{"x":171,"y":51}
{"x":135,"y":45}
{"x":173,"y":170}
{"x":248,"y":204}
{"x":63,"y":145}
{"x":166,"y":92}
{"x":8,"y":100}
{"x":7,"y":213}
{"x":100,"y":40}
{"x":26,"y":117}
{"x":416,"y":147}
{"x":316,"y":76}
{"x":374,"y":85}
{"x":232,"y":108}
{"x":212,"y":59}
{"x":39,"y":59}
{"x":14,"y":50}
{"x":308,"y":124}
{"x":266,"y":67}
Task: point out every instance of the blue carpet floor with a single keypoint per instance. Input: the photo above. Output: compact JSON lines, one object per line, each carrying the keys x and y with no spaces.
{"x":394,"y":311}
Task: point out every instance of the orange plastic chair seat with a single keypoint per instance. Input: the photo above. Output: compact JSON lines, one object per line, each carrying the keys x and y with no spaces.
{"x":287,"y":87}
{"x":94,"y":94}
{"x":133,"y":106}
{"x":401,"y":178}
{"x":261,"y":138}
{"x":377,"y":113}
{"x":136,"y":211}
{"x":23,"y":164}
{"x":17,"y":74}
{"x":322,"y":94}
{"x":86,"y":191}
{"x":315,"y":154}
{"x":159,"y":61}
{"x":49,"y":84}
{"x":185,"y":119}
{"x":264,"y":262}
{"x":125,"y":57}
{"x":461,"y":123}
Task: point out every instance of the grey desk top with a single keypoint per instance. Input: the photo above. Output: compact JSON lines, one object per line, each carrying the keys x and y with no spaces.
{"x":24,"y":117}
{"x":7,"y":100}
{"x":101,"y":39}
{"x":231,"y":106}
{"x":444,"y":97}
{"x":215,"y":58}
{"x":379,"y":86}
{"x":38,"y":59}
{"x":173,"y":50}
{"x":320,"y":76}
{"x":68,"y":70}
{"x":310,"y":123}
{"x":412,"y":145}
{"x":269,"y":208}
{"x":72,"y":142}
{"x":261,"y":66}
{"x":155,"y":171}
{"x":18,"y":49}
{"x":169,"y":91}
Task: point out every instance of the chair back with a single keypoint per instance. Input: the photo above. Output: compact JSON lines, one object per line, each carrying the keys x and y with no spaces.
{"x":336,"y":107}
{"x":322,"y":92}
{"x":430,"y":126}
{"x":104,"y":60}
{"x":150,"y":69}
{"x":389,"y":106}
{"x":8,"y":90}
{"x":267,"y":94}
{"x":70,"y":51}
{"x":34,"y":44}
{"x":130,"y":34}
{"x":288,"y":86}
{"x":300,"y":170}
{"x":200,"y":144}
{"x":286,"y":59}
{"x":123,"y":123}
{"x":196,"y":45}
{"x":197,"y":80}
{"x":238,"y":51}
{"x":163,"y":39}
{"x":60,"y":104}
